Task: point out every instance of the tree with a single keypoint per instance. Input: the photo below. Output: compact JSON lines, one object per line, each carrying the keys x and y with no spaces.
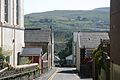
{"x":66,"y":52}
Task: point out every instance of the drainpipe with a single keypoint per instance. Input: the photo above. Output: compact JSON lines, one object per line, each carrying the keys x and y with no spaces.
{"x":51,"y":47}
{"x":14,"y":34}
{"x":14,"y":48}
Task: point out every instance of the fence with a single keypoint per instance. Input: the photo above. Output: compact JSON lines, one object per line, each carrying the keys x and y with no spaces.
{"x":45,"y":66}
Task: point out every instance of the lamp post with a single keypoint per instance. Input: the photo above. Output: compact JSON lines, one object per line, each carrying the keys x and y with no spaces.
{"x":51,"y":27}
{"x":51,"y":44}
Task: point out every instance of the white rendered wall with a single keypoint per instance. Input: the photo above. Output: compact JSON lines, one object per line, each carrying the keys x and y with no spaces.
{"x":12,"y":34}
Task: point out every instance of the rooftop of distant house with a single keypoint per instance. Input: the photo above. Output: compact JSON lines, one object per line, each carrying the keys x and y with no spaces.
{"x":90,"y":39}
{"x":37,"y":35}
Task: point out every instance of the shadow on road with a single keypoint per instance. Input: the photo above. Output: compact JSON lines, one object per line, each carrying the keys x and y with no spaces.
{"x":69,"y":71}
{"x":66,"y":71}
{"x":73,"y":71}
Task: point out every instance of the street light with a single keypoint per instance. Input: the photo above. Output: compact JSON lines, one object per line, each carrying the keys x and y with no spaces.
{"x":51,"y":46}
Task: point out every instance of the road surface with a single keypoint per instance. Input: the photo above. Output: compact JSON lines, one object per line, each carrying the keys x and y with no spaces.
{"x":66,"y":74}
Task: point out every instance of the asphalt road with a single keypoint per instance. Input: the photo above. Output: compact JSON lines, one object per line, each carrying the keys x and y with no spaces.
{"x":66,"y":74}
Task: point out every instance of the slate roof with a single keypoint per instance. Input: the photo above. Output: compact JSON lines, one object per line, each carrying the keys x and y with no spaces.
{"x":31,"y":52}
{"x":69,"y":57}
{"x":37,"y":35}
{"x":91,"y":39}
{"x":56,"y":58}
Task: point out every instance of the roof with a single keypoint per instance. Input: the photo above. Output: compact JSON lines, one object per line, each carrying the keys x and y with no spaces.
{"x":31,"y":52}
{"x":37,"y":35}
{"x":69,"y":57}
{"x":56,"y":58}
{"x":91,"y":39}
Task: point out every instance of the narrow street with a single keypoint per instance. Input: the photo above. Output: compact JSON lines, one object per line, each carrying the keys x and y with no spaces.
{"x":66,"y":74}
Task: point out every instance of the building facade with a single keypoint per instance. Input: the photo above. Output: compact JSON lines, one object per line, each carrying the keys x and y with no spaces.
{"x":85,"y":43}
{"x":74,"y":47}
{"x":41,"y":38}
{"x":69,"y":60}
{"x":11,"y":29}
{"x":115,"y":39}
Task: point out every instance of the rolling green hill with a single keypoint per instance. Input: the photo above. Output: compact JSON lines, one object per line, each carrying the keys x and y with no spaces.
{"x":65,"y":22}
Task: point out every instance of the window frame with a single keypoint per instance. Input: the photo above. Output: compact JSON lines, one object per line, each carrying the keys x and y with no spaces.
{"x":6,"y":10}
{"x":17,"y":12}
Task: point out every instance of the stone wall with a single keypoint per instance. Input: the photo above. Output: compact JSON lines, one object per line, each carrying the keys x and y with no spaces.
{"x":115,"y":71}
{"x":24,"y":73}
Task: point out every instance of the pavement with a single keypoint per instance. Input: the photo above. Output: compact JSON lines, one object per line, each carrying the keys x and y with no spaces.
{"x":47,"y":75}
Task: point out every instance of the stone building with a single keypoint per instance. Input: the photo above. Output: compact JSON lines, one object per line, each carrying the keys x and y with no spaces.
{"x":115,"y":39}
{"x":41,"y":38}
{"x":74,"y":47}
{"x":11,"y":29}
{"x":84,"y":43}
{"x":69,"y":61}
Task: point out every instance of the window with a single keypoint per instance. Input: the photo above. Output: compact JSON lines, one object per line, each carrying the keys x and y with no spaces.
{"x":6,"y":10}
{"x":17,"y":11}
{"x":8,"y":59}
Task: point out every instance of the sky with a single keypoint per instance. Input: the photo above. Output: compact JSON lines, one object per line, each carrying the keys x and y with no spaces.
{"x":33,"y":6}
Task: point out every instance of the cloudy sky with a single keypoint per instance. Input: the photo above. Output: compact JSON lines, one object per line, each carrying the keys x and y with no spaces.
{"x":32,"y":6}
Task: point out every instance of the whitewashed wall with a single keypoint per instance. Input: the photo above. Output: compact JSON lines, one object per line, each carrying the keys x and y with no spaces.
{"x":12,"y":34}
{"x":78,"y":53}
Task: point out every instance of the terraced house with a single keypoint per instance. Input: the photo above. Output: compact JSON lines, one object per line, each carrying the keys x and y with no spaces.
{"x":40,"y":39}
{"x":11,"y":29}
{"x":83,"y":45}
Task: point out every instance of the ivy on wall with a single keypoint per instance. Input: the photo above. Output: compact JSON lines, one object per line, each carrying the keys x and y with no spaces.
{"x":3,"y":60}
{"x":98,"y":57}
